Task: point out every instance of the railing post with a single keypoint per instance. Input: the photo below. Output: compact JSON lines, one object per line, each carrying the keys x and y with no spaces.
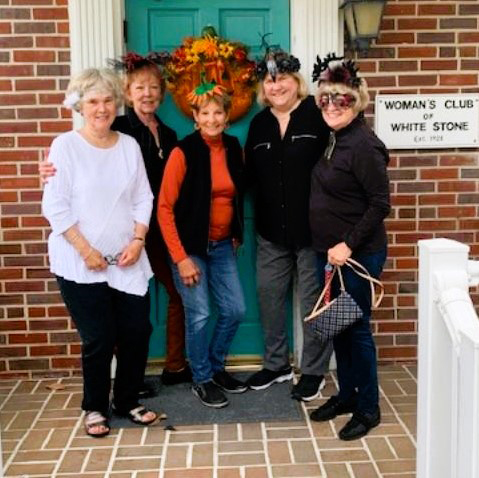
{"x":437,"y":361}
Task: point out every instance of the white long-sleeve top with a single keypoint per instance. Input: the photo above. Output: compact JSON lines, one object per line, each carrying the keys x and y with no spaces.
{"x":104,"y":192}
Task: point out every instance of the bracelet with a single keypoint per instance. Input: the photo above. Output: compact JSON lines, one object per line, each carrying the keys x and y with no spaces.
{"x":138,"y":238}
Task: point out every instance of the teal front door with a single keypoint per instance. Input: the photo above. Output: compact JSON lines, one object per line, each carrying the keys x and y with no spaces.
{"x":157,"y":25}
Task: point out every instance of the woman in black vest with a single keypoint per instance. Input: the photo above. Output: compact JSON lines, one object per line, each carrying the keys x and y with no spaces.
{"x":200,"y":215}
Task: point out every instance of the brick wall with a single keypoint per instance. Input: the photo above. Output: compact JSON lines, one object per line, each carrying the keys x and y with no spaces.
{"x":36,"y":333}
{"x":425,"y":47}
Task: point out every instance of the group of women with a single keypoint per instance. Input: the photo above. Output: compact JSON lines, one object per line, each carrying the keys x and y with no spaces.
{"x":320,"y":186}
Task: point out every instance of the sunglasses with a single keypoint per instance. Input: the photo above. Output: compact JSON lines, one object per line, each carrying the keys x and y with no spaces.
{"x":339,"y":101}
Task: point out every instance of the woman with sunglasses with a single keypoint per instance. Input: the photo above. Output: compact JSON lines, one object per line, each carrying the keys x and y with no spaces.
{"x":348,"y":204}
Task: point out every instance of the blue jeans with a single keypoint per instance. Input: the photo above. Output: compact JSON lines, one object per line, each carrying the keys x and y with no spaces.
{"x":354,"y":347}
{"x":219,"y":277}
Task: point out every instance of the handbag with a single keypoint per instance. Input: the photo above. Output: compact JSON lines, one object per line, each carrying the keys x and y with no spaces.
{"x":330,"y":319}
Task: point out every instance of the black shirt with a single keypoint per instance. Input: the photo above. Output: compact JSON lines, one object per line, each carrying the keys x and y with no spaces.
{"x":350,"y":192}
{"x":280,"y":171}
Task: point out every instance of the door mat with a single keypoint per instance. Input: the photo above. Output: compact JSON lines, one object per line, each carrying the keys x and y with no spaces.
{"x":183,"y":408}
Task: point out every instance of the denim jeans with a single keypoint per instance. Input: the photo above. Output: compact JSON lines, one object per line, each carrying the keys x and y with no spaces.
{"x":219,"y":277}
{"x":354,"y":347}
{"x":107,"y":318}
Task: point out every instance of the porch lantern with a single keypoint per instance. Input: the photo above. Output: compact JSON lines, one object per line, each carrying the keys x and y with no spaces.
{"x":363,"y":20}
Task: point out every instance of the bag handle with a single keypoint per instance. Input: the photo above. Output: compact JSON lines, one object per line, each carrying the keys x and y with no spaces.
{"x":362,"y":272}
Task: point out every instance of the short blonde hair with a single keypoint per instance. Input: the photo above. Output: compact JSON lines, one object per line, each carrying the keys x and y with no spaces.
{"x":130,"y":77}
{"x":102,"y":79}
{"x":360,"y":94}
{"x":302,"y":89}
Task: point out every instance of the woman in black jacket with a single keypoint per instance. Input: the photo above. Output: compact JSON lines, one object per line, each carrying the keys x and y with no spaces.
{"x":348,"y":205}
{"x":284,"y":142}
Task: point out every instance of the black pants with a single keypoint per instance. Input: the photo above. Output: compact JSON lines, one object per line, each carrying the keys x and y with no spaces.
{"x":106,"y":318}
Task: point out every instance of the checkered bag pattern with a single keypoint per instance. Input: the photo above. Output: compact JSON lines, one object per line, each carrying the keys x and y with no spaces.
{"x":338,"y":314}
{"x":329,"y":319}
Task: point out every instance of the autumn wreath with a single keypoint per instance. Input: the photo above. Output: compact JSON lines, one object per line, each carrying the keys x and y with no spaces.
{"x":219,"y":61}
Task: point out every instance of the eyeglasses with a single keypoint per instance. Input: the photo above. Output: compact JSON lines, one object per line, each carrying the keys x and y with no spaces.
{"x":112,"y":260}
{"x":339,"y":101}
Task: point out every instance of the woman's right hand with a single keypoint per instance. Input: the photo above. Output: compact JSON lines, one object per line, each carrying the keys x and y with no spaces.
{"x":46,"y":170}
{"x":189,"y":272}
{"x":94,"y":260}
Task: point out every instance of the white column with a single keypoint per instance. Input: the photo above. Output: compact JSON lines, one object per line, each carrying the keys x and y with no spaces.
{"x":316,"y":29}
{"x":96,"y":34}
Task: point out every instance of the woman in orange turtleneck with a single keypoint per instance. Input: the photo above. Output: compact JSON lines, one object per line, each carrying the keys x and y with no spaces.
{"x":201,"y":218}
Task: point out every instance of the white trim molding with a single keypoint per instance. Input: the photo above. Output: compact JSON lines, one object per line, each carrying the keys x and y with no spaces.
{"x":96,"y":34}
{"x":316,"y":29}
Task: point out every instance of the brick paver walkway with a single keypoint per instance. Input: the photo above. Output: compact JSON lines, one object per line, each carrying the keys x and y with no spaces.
{"x":42,"y":436}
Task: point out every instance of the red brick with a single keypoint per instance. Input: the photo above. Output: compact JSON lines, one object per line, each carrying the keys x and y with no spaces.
{"x":435,"y":37}
{"x":439,"y":173}
{"x":417,"y":80}
{"x":10,"y":325}
{"x":35,"y":84}
{"x":401,"y":225}
{"x":33,"y":56}
{"x":396,"y":352}
{"x":53,"y":42}
{"x":32,"y":2}
{"x":31,"y":113}
{"x":10,"y":249}
{"x":19,"y":183}
{"x":8,"y":196}
{"x":417,"y":52}
{"x":31,"y":141}
{"x":16,"y":42}
{"x":50,"y":13}
{"x":53,"y":70}
{"x":19,"y":209}
{"x":55,"y":126}
{"x":436,"y":9}
{"x":458,"y":79}
{"x":395,"y":38}
{"x":15,"y":13}
{"x":457,"y":186}
{"x":458,"y":160}
{"x":16,"y":70}
{"x":398,"y":65}
{"x":439,"y":65}
{"x":23,"y":261}
{"x":26,"y":286}
{"x":466,"y":9}
{"x":464,"y":211}
{"x":5,"y":28}
{"x":13,"y":351}
{"x":28,"y":338}
{"x":43,"y":299}
{"x":51,"y":98}
{"x":396,"y":326}
{"x":417,"y":24}
{"x":469,"y":224}
{"x":8,"y":170}
{"x":20,"y":99}
{"x":48,"y":324}
{"x":395,"y":9}
{"x":34,"y":27}
{"x":29,"y":364}
{"x":470,"y":65}
{"x":63,"y":27}
{"x":468,"y":37}
{"x":467,"y":51}
{"x":48,"y":350}
{"x":458,"y":23}
{"x":57,"y":311}
{"x":66,"y":362}
{"x":437,"y":225}
{"x":447,"y":52}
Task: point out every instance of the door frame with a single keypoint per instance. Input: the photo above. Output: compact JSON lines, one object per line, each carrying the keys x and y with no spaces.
{"x":96,"y":33}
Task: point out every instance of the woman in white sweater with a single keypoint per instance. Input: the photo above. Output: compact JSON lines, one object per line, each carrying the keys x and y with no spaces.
{"x":99,"y":205}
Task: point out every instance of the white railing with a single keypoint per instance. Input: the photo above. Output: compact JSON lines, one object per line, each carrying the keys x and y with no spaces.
{"x":448,"y":362}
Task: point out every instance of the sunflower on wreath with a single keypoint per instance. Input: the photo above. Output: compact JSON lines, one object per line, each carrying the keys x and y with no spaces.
{"x":221,"y":62}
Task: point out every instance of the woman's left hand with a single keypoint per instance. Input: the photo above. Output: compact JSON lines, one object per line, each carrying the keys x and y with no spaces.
{"x":338,"y":254}
{"x":130,"y":254}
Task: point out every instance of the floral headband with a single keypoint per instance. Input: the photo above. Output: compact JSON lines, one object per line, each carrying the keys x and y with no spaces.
{"x":335,"y":69}
{"x":133,"y":61}
{"x":204,"y":91}
{"x":275,"y":61}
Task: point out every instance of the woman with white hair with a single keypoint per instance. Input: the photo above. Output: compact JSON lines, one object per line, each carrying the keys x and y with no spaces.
{"x":349,"y":202}
{"x":99,"y":204}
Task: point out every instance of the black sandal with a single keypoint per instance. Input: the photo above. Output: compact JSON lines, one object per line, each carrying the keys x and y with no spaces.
{"x":136,"y":415}
{"x":95,"y":419}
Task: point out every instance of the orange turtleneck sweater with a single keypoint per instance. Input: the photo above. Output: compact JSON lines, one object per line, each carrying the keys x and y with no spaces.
{"x":222,"y":194}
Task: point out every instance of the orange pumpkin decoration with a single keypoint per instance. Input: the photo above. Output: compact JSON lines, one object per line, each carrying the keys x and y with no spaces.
{"x":221,"y":62}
